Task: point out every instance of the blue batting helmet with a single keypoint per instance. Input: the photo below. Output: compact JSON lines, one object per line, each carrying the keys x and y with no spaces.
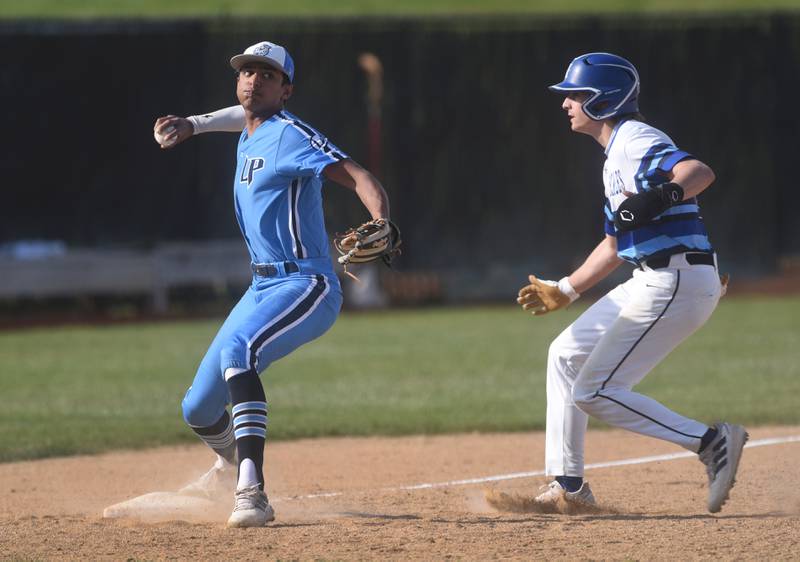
{"x":612,"y":82}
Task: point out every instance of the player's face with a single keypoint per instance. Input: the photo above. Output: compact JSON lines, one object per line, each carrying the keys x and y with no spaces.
{"x":261,"y":89}
{"x":578,"y":120}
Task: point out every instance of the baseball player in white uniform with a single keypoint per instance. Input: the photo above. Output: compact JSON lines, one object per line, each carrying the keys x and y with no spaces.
{"x":652,"y":220}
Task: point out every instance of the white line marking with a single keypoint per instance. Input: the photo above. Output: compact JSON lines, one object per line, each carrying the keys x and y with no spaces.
{"x":514,"y":475}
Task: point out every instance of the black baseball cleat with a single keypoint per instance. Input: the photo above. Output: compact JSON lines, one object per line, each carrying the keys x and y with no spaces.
{"x":721,"y":458}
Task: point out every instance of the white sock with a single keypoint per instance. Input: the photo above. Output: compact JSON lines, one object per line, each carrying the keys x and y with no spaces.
{"x":247,"y":474}
{"x":231,"y":372}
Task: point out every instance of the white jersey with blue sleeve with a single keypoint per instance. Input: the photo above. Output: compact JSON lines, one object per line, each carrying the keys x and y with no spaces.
{"x":277,"y":191}
{"x":638,"y":157}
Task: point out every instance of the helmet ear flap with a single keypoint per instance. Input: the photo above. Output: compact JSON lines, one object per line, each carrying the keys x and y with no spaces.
{"x":600,"y":107}
{"x":591,"y":106}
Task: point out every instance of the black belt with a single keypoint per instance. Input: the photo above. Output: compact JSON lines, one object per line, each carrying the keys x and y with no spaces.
{"x":270,"y":270}
{"x":692,"y":258}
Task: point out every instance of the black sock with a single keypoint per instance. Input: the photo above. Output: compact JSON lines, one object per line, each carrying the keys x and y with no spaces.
{"x":707,"y":438}
{"x":220,"y":437}
{"x":570,"y":483}
{"x":249,"y":419}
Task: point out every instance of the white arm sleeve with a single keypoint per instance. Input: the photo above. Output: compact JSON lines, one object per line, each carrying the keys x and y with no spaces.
{"x":229,"y":119}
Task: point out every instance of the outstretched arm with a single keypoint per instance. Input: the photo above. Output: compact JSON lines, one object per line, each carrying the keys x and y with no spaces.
{"x":599,"y":265}
{"x":171,"y":130}
{"x":542,"y":296}
{"x":351,"y":175}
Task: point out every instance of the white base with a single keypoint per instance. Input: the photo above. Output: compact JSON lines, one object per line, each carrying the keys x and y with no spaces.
{"x":167,"y":506}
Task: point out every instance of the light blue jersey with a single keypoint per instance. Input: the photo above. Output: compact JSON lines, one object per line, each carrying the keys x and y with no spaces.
{"x":277,"y":191}
{"x":638,"y":157}
{"x":295,"y":296}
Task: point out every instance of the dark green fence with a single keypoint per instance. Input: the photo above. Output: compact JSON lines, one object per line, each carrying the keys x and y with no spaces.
{"x":478,"y":157}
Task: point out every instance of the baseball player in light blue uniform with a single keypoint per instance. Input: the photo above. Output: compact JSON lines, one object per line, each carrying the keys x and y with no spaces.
{"x":653,"y":222}
{"x":294,"y":296}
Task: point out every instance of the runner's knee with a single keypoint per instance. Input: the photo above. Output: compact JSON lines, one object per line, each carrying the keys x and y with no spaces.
{"x":584,"y":397}
{"x":560,"y":360}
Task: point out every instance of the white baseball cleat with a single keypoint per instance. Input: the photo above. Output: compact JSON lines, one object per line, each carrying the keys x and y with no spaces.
{"x":721,"y":458}
{"x":251,"y":508}
{"x":553,"y":492}
{"x":218,"y":482}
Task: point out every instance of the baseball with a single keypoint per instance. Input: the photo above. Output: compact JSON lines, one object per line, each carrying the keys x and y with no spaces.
{"x":160,"y":136}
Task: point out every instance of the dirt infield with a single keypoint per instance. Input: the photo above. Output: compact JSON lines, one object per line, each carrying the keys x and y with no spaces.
{"x":367,"y":499}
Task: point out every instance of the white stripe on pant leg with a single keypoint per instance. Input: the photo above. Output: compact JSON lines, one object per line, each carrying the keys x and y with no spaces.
{"x":277,"y":319}
{"x":288,"y":327}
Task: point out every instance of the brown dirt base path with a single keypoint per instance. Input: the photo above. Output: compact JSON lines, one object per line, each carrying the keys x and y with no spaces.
{"x":52,"y":509}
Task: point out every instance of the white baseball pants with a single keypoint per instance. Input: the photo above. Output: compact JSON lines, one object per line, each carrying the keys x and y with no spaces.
{"x":593,"y":364}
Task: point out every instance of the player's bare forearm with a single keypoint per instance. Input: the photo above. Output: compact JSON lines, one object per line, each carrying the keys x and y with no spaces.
{"x":351,"y":175}
{"x":374,"y":197}
{"x":693,"y":176}
{"x":600,"y":263}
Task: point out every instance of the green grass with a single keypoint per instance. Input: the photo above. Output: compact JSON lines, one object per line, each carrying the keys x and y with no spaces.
{"x":272,"y":8}
{"x":87,"y":389}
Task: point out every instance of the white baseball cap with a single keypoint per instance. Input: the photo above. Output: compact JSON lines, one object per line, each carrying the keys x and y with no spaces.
{"x":267,"y":53}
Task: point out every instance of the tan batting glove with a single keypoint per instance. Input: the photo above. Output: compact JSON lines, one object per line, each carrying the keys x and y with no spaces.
{"x":542,"y":296}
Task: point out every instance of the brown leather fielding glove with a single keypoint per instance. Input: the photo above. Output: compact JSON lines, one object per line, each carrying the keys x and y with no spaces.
{"x":376,"y":239}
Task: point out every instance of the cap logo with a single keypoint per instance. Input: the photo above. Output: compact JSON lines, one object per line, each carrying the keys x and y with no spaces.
{"x":262,"y":50}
